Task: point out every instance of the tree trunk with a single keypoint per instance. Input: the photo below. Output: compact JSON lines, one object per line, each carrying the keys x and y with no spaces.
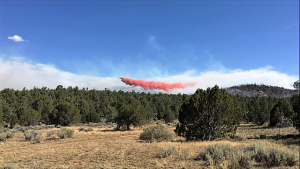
{"x":118,"y":127}
{"x":128,"y":126}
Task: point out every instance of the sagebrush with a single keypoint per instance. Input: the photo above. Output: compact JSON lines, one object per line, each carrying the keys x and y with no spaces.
{"x":157,"y":133}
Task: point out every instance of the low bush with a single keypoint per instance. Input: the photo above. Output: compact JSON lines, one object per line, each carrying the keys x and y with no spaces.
{"x":10,"y":134}
{"x":263,"y":136}
{"x":38,"y":137}
{"x":244,"y":157}
{"x":85,"y":129}
{"x":274,"y":158}
{"x":89,"y":129}
{"x":50,"y":133}
{"x":167,"y":151}
{"x":29,"y":134}
{"x":259,"y":152}
{"x":277,"y":158}
{"x":2,"y":136}
{"x":217,"y":153}
{"x":157,"y":133}
{"x":3,"y":130}
{"x":81,"y":129}
{"x":65,"y":133}
{"x":33,"y":135}
{"x":239,"y":137}
{"x":241,"y":160}
{"x":290,"y":158}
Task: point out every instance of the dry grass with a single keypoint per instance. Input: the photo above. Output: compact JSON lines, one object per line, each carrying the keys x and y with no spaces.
{"x":274,"y":135}
{"x":105,"y":148}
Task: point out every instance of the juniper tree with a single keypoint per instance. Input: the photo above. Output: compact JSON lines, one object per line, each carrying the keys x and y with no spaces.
{"x":66,"y":114}
{"x":132,"y":112}
{"x":282,"y":109}
{"x":295,"y":99}
{"x":208,"y":115}
{"x":28,"y":117}
{"x":259,"y":110}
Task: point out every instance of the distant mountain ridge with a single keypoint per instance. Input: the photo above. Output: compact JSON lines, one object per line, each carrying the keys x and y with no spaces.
{"x":251,"y":90}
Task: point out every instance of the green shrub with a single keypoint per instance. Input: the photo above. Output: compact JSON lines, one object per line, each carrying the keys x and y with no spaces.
{"x":33,"y":135}
{"x":89,"y":129}
{"x":259,"y":152}
{"x":29,"y":134}
{"x":167,"y":151}
{"x":2,"y":136}
{"x":157,"y":132}
{"x":217,"y":153}
{"x":262,"y":136}
{"x":3,"y":130}
{"x":10,"y":134}
{"x":81,"y":129}
{"x":195,"y":122}
{"x":277,"y":158}
{"x":244,"y":157}
{"x":65,"y":133}
{"x":274,"y":158}
{"x":50,"y":133}
{"x":241,"y":160}
{"x":38,"y":137}
{"x":290,"y":158}
{"x":239,"y":137}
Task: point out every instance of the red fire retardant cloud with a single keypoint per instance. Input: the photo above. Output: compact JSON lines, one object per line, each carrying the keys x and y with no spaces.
{"x":156,"y":85}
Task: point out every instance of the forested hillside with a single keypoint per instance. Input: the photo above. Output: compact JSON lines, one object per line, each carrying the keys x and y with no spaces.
{"x":251,"y":90}
{"x":64,"y":106}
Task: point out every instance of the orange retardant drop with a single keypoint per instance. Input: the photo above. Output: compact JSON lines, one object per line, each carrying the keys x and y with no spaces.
{"x":156,"y":85}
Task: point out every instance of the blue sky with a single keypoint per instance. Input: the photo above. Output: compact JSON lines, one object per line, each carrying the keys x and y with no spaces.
{"x":91,"y":43}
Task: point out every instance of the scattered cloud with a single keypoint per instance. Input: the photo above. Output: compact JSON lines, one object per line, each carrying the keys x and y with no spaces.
{"x":226,"y":78}
{"x":292,"y":25}
{"x":152,"y":42}
{"x":16,"y":38}
{"x":17,"y":72}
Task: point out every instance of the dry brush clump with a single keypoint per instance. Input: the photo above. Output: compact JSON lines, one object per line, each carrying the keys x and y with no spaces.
{"x":245,"y":157}
{"x":165,"y":152}
{"x":65,"y":133}
{"x":273,"y":157}
{"x":30,"y":135}
{"x":7,"y":134}
{"x":50,"y":133}
{"x":239,"y":137}
{"x":85,"y":129}
{"x":81,"y":129}
{"x":10,"y":134}
{"x":216,"y":154}
{"x":157,"y":133}
{"x":2,"y":136}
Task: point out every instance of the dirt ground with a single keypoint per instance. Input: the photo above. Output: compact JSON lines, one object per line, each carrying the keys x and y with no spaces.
{"x":105,"y":148}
